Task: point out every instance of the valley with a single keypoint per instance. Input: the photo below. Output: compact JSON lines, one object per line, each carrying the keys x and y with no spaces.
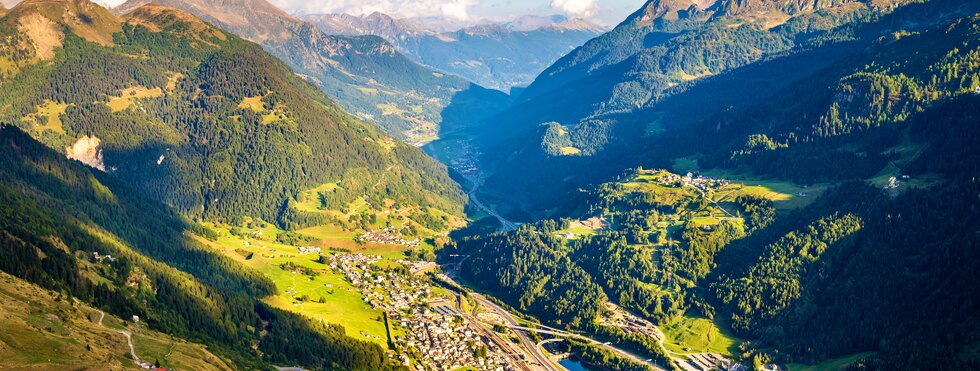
{"x":737,"y":185}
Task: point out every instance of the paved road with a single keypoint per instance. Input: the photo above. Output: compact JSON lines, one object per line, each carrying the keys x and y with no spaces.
{"x":505,"y":225}
{"x":535,"y":351}
{"x":566,"y":334}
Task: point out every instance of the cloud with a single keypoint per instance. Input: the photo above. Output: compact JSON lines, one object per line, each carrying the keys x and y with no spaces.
{"x":576,"y":8}
{"x":457,"y":9}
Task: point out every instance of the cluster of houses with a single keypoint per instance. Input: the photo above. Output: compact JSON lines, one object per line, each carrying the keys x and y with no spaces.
{"x":100,"y":258}
{"x":147,"y":366}
{"x":894,"y":183}
{"x":438,"y":336}
{"x":446,"y":342}
{"x":388,"y":236}
{"x":710,"y":361}
{"x":466,"y":162}
{"x":702,"y":182}
{"x":309,"y":250}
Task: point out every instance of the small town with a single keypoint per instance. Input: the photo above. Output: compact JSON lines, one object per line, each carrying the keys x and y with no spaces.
{"x":437,"y":336}
{"x":387,"y":236}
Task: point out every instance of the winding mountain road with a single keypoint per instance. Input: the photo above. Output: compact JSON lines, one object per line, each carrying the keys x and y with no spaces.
{"x":126,"y":333}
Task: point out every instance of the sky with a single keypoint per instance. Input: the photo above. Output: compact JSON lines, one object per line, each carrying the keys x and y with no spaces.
{"x":605,"y":12}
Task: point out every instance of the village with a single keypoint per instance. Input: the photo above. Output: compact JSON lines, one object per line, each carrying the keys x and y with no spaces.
{"x":388,"y":236}
{"x":465,"y":162}
{"x":703,"y":183}
{"x":437,"y":336}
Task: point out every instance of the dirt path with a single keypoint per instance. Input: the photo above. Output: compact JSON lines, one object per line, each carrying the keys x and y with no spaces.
{"x":126,"y":333}
{"x":705,"y":195}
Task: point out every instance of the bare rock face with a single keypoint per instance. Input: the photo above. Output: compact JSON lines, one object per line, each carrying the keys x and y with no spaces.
{"x":86,"y":150}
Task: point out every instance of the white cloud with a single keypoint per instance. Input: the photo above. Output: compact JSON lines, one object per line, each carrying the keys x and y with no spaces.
{"x":457,"y":9}
{"x":576,"y":8}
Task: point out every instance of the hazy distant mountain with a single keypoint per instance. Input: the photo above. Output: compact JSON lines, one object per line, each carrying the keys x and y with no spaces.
{"x":366,"y":75}
{"x":441,"y":24}
{"x":496,"y":55}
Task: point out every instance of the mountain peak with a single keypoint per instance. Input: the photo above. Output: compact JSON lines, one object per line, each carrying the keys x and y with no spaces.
{"x":671,"y":9}
{"x":256,"y":20}
{"x":535,"y":22}
{"x":579,"y":24}
{"x":45,"y":21}
{"x":158,"y":17}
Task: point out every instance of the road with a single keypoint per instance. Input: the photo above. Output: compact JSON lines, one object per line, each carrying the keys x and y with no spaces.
{"x":477,"y":181}
{"x":705,"y":195}
{"x":566,"y":334}
{"x":532,"y":348}
{"x":513,"y":350}
{"x":126,"y":333}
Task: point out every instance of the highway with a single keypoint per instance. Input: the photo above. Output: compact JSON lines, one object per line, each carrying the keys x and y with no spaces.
{"x":536,"y":353}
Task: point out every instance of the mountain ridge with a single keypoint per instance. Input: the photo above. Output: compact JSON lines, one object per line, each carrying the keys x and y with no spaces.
{"x":498,"y":55}
{"x":264,"y":136}
{"x":365,"y":74}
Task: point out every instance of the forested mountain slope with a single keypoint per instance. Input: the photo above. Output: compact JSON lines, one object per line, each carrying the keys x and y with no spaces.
{"x":857,"y":269}
{"x":82,"y":233}
{"x":784,"y":103}
{"x":839,"y":211}
{"x":496,"y":55}
{"x":195,"y":117}
{"x":364,"y":74}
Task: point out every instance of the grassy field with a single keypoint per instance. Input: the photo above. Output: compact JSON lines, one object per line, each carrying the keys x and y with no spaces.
{"x":785,"y":195}
{"x":300,"y":293}
{"x":42,"y":331}
{"x":655,"y":126}
{"x":689,"y":334}
{"x":830,"y":364}
{"x":253,"y":103}
{"x":126,"y":97}
{"x":48,"y":117}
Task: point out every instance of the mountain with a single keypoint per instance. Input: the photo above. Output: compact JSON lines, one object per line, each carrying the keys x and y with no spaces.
{"x":84,"y":236}
{"x":614,"y":92}
{"x":47,"y":325}
{"x":494,"y":55}
{"x":814,"y":184}
{"x":197,"y":118}
{"x":378,"y":24}
{"x":364,"y":74}
{"x":440,"y":24}
{"x":534,"y":22}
